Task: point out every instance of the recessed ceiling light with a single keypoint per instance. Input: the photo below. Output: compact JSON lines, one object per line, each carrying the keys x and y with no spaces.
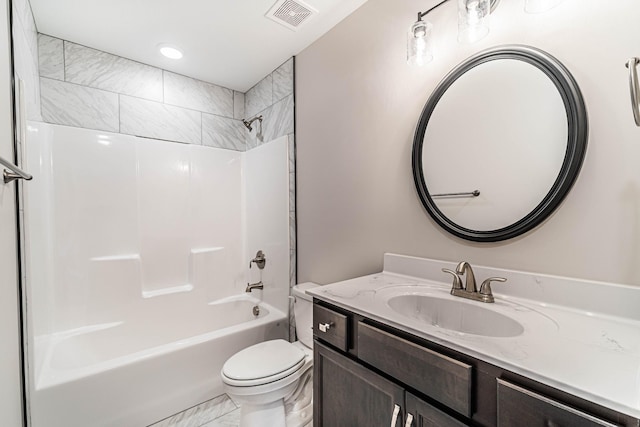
{"x":170,"y":52}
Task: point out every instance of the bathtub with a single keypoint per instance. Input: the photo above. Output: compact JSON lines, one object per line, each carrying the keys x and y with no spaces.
{"x":127,"y":375}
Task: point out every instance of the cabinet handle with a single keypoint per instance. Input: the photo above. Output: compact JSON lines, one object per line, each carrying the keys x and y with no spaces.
{"x":409,"y":422}
{"x":324,"y":327}
{"x":394,"y":417}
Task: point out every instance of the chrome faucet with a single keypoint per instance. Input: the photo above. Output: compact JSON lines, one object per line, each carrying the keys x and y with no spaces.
{"x":252,"y":286}
{"x":470,"y":280}
{"x":470,"y":291}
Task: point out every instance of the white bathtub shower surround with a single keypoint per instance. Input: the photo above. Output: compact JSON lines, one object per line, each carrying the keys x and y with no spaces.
{"x":134,"y":247}
{"x":107,"y":375}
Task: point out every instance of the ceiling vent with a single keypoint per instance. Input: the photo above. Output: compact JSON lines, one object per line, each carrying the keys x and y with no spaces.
{"x":291,"y":14}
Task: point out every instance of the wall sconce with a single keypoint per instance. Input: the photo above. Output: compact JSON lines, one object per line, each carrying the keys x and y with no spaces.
{"x":473,"y":25}
{"x":473,"y":20}
{"x":419,"y":50}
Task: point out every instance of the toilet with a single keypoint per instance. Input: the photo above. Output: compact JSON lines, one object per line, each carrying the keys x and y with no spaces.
{"x":272,"y":380}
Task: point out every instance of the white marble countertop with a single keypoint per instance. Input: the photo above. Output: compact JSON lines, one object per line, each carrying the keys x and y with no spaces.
{"x":581,"y":337}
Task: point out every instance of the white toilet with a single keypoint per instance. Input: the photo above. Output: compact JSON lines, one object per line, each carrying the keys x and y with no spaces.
{"x":272,"y":380}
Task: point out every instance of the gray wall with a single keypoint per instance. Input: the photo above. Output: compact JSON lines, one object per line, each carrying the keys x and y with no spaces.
{"x":357,"y":105}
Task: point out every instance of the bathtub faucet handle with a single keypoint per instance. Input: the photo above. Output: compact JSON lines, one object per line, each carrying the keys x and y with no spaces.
{"x":259,"y":260}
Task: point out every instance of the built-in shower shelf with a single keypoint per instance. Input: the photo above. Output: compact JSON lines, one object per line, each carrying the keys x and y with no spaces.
{"x":127,"y":257}
{"x":167,"y":291}
{"x":206,"y":250}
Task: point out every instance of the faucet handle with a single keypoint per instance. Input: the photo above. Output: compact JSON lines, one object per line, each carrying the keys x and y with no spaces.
{"x":485,"y":287}
{"x":260,"y":260}
{"x":457,"y":282}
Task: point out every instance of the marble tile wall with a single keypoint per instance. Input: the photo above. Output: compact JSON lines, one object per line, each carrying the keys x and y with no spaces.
{"x":271,"y":97}
{"x":79,"y":106}
{"x":133,"y":98}
{"x":25,"y":47}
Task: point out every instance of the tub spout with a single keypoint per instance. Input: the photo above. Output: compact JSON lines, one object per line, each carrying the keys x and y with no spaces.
{"x":252,"y":286}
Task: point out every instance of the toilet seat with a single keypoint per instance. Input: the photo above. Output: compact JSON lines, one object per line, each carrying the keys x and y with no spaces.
{"x":263,"y":363}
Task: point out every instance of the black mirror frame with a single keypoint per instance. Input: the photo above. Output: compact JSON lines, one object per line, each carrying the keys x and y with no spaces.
{"x":578,"y":130}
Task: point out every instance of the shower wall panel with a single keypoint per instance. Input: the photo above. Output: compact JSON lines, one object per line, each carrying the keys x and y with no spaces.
{"x":117,"y":224}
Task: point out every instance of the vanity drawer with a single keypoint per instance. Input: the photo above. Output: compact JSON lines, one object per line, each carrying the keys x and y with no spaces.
{"x":330,"y":326}
{"x":521,"y":407}
{"x":443,"y":379}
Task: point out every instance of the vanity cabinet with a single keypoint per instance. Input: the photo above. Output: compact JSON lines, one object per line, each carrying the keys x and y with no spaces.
{"x":364,"y":370}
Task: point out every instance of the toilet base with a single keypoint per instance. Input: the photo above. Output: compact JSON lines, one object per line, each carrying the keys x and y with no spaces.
{"x":299,"y":406}
{"x":264,"y":415}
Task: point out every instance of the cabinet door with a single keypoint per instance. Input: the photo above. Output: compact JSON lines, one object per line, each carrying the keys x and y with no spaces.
{"x":423,"y":414}
{"x":348,"y":395}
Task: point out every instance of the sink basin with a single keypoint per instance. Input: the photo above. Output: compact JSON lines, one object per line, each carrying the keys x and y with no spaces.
{"x":460,"y":316}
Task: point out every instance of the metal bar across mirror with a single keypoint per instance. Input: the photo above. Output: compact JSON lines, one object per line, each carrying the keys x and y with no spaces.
{"x":510,"y":122}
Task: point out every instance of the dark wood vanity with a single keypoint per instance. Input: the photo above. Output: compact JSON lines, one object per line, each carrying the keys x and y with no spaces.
{"x":364,"y":371}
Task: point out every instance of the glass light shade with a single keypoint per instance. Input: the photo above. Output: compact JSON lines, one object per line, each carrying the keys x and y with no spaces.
{"x":419,"y":49}
{"x":538,"y":6}
{"x":473,"y":20}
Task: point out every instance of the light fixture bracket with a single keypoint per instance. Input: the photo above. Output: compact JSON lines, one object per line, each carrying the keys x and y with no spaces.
{"x":493,"y":5}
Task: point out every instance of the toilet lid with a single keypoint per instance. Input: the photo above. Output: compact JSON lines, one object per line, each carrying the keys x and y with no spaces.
{"x":263,"y":360}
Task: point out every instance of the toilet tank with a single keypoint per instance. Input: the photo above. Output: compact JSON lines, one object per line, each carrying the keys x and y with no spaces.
{"x":303,"y":312}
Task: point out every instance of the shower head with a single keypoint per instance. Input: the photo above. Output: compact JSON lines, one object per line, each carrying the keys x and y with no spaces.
{"x":249,"y":122}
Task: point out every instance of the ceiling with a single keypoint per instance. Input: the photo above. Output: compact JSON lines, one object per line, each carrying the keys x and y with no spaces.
{"x":227,"y":42}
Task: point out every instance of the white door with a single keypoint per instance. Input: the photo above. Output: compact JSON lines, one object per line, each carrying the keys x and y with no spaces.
{"x":10,"y":348}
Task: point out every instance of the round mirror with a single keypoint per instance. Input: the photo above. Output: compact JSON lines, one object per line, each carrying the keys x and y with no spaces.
{"x":499,"y":143}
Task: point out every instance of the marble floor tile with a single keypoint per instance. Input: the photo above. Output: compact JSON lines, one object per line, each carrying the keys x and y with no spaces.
{"x":214,"y":409}
{"x":232,"y":419}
